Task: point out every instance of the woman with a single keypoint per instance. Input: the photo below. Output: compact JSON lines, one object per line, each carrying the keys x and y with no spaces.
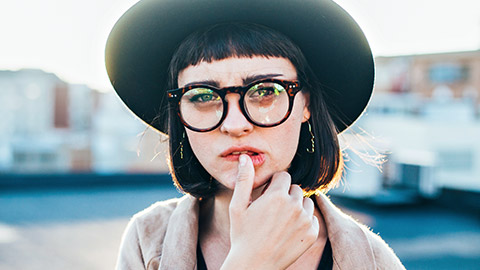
{"x":252,"y":95}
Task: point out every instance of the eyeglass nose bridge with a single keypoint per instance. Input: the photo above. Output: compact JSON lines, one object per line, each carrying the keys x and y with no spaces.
{"x":241,"y":91}
{"x":233,"y":90}
{"x":241,"y":118}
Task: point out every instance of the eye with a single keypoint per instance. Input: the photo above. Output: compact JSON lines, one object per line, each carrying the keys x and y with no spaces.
{"x":201,"y":96}
{"x":265,"y":90}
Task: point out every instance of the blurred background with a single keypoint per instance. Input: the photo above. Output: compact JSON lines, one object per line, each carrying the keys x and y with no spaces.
{"x":75,"y":164}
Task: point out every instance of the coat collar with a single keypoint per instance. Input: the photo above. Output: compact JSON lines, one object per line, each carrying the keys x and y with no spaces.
{"x":350,"y":246}
{"x":180,"y":244}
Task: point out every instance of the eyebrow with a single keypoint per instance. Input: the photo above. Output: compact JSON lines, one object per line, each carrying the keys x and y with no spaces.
{"x":206,"y":82}
{"x":250,"y":79}
{"x":246,"y":81}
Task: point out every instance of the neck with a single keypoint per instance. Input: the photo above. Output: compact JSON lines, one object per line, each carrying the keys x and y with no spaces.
{"x":215,"y":217}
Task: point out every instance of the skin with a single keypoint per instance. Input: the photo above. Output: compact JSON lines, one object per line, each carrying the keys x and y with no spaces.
{"x":248,"y":226}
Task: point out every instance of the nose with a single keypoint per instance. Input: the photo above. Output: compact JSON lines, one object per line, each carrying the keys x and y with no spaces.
{"x":235,"y":124}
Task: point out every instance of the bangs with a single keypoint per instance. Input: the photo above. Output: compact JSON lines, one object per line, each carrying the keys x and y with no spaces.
{"x":222,"y":41}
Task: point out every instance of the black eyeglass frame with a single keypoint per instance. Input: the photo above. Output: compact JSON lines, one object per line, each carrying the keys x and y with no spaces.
{"x":292,"y":88}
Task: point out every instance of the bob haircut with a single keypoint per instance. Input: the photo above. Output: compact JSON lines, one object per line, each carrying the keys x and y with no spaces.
{"x":312,"y":171}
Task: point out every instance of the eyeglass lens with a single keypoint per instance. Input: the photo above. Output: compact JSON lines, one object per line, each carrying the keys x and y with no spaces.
{"x":266,"y":103}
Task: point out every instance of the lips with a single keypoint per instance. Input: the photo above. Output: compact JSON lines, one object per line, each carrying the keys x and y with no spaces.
{"x":233,"y":154}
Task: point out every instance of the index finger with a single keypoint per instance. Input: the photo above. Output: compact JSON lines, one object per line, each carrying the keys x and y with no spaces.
{"x":244,"y":183}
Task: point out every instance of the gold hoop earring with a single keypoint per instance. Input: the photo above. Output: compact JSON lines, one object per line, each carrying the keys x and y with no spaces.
{"x":311,"y":151}
{"x":181,"y":145}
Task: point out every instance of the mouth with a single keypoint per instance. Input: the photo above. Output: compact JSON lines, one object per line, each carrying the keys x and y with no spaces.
{"x":250,"y":153}
{"x":233,"y":154}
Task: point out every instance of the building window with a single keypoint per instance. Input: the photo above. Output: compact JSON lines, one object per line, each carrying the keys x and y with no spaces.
{"x":448,"y":73}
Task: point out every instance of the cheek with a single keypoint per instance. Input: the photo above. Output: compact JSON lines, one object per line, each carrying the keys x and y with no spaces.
{"x":204,"y":150}
{"x":208,"y":156}
{"x":199,"y":144}
{"x":285,"y":138}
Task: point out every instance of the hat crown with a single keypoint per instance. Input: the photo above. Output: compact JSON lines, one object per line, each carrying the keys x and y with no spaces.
{"x":142,"y":42}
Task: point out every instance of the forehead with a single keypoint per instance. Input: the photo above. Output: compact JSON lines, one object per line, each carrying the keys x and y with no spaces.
{"x":233,"y":71}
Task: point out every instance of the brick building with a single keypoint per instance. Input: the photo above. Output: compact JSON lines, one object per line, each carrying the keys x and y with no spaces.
{"x":423,"y":73}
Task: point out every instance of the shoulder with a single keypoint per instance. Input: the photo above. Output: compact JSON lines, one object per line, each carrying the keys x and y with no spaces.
{"x":150,"y":224}
{"x":143,"y":237}
{"x":385,"y":257}
{"x":354,"y":245}
{"x":155,"y":217}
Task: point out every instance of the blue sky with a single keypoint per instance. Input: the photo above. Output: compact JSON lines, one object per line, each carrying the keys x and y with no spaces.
{"x":68,"y":37}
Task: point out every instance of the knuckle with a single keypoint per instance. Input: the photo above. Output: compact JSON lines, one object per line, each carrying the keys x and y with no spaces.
{"x":242,"y":175}
{"x":296,"y":187}
{"x":313,"y":234}
{"x":285,"y":175}
{"x":282,"y":177}
{"x":307,"y":203}
{"x":312,"y":229}
{"x":315,"y":227}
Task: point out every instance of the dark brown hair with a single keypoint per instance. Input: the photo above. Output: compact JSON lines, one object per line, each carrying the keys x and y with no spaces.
{"x":312,"y":171}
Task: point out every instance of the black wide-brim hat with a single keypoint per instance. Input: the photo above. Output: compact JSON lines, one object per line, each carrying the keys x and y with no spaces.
{"x":142,"y":42}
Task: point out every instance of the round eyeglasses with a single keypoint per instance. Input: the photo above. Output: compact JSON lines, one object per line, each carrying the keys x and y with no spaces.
{"x":265,"y":103}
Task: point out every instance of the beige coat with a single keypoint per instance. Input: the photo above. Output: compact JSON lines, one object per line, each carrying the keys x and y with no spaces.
{"x":164,"y":236}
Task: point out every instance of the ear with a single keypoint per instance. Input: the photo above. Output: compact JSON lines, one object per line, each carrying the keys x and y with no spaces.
{"x":306,"y":108}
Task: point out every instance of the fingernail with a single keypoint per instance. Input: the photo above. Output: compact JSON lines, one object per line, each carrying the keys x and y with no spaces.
{"x":242,"y":160}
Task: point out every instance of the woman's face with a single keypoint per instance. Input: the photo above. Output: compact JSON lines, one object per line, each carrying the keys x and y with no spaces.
{"x":273,"y":148}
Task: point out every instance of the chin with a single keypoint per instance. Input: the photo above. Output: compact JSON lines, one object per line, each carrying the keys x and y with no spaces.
{"x":259,"y":182}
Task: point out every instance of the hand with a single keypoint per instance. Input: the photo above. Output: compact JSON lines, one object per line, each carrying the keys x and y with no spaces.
{"x":273,"y":231}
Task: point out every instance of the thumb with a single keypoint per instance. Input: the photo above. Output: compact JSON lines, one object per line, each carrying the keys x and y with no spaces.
{"x":244,"y":183}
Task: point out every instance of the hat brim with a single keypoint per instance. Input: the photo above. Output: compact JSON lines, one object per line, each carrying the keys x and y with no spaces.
{"x":142,"y":42}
